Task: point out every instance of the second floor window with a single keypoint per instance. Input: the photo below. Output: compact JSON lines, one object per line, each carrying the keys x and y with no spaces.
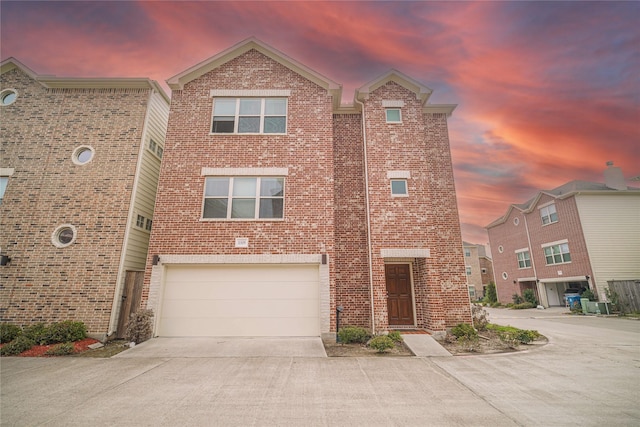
{"x":524,"y":259}
{"x":243,"y":198}
{"x":549,"y":214}
{"x":557,"y":254}
{"x":249,"y":115}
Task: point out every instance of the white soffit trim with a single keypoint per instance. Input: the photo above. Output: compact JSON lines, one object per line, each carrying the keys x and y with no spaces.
{"x":405,"y":253}
{"x":250,"y":92}
{"x":439,"y":108}
{"x":557,"y":242}
{"x":244,"y":172}
{"x":392,"y":103}
{"x":398,"y":174}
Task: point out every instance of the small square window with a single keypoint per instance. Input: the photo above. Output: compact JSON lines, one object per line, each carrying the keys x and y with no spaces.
{"x":140,"y":221}
{"x":399,"y":187}
{"x":393,"y":115}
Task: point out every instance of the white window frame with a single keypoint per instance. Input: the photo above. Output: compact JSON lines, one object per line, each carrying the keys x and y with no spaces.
{"x":560,"y":248}
{"x":406,"y":187}
{"x":386,"y":115}
{"x":467,"y":252}
{"x":262,"y":115}
{"x":546,"y":214}
{"x":257,"y":198}
{"x":467,"y":270}
{"x":523,"y":256}
{"x":155,"y":148}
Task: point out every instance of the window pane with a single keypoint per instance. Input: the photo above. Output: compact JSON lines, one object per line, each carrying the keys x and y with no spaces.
{"x":218,"y":187}
{"x":250,"y":106}
{"x":566,"y":257}
{"x":223,"y":124}
{"x":249,"y":125}
{"x":225,"y":107}
{"x":215,"y":208}
{"x":554,"y":217}
{"x":398,"y":187}
{"x":65,"y":236}
{"x":244,"y":187}
{"x":275,"y":107}
{"x":393,"y":115}
{"x":271,"y":208}
{"x":85,"y":155}
{"x":4,"y":180}
{"x":275,"y":125}
{"x":243,"y":208}
{"x":272,"y":187}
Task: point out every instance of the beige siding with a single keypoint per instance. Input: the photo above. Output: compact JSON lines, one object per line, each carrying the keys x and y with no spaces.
{"x":611,"y":226}
{"x":147,"y":183}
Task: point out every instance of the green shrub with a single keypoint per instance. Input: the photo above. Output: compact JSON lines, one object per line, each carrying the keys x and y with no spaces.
{"x":517,"y":299}
{"x":381,"y":343}
{"x":353,"y":334}
{"x":66,"y":331}
{"x":530,"y":296}
{"x":62,"y":349}
{"x":479,"y":316}
{"x":140,"y":327}
{"x":463,"y":330}
{"x":395,"y":336}
{"x":589,"y":294}
{"x":9,"y":332}
{"x":490,"y":296}
{"x":37,"y":332}
{"x":514,"y":336}
{"x":523,"y":305}
{"x":17,"y":346}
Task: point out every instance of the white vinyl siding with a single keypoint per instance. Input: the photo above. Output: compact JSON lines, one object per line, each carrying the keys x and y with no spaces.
{"x":611,"y":227}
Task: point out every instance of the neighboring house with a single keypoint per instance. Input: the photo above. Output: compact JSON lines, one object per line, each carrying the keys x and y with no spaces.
{"x":80,"y":158}
{"x":478,"y":268}
{"x":276,"y":206}
{"x":579,"y":235}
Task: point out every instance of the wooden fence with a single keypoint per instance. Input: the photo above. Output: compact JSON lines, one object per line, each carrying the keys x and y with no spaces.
{"x":628,"y":292}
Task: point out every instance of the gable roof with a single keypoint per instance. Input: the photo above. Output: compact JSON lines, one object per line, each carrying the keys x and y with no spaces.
{"x":421,"y":91}
{"x":52,"y":82}
{"x":564,"y":191}
{"x":178,"y":81}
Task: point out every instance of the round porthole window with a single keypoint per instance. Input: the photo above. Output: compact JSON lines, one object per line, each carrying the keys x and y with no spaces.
{"x":500,"y":249}
{"x":505,"y":276}
{"x":516,"y":221}
{"x":8,"y":97}
{"x":63,"y":236}
{"x":82,"y":155}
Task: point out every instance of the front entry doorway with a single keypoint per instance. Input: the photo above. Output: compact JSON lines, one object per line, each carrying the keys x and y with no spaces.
{"x":399,"y":298}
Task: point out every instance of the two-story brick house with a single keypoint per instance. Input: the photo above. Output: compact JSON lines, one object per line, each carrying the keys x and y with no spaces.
{"x":277,"y":204}
{"x":80,"y":159}
{"x":581,"y":235}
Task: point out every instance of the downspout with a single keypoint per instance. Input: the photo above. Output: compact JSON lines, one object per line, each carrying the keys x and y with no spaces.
{"x":366,"y":198}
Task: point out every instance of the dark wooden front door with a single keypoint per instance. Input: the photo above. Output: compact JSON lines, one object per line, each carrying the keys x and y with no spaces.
{"x":131,"y":296}
{"x":399,"y":300}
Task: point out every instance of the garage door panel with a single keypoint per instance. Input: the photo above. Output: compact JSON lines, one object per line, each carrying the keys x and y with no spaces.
{"x":249,"y":308}
{"x":240,"y":300}
{"x":241,"y":290}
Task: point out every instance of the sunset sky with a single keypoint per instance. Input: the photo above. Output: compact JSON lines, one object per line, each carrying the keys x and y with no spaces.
{"x":547,"y":92}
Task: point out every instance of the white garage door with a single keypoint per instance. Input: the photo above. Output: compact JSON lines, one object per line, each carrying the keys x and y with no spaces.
{"x":240,"y":300}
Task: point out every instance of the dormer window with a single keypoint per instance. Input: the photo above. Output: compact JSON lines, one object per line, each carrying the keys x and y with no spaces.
{"x":549,"y":214}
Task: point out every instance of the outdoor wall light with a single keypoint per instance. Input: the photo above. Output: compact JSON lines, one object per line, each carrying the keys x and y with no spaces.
{"x":4,"y":259}
{"x":156,"y":259}
{"x":588,"y":277}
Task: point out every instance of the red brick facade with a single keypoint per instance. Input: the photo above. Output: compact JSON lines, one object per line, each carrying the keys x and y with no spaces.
{"x":326,"y":200}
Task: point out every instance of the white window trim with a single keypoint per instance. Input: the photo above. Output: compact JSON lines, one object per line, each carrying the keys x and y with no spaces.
{"x":251,"y":93}
{"x":7,"y":171}
{"x":78,"y":150}
{"x":56,"y":232}
{"x":230,"y":197}
{"x":386,"y":118}
{"x":548,"y":215}
{"x":522,"y":250}
{"x":4,"y":92}
{"x":523,"y":259}
{"x":557,"y":242}
{"x":158,"y":146}
{"x":392,"y":103}
{"x":398,"y":174}
{"x":262,"y":116}
{"x":406,"y":187}
{"x":257,"y":172}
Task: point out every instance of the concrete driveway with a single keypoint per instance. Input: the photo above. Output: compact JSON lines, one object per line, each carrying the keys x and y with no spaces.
{"x":589,"y":374}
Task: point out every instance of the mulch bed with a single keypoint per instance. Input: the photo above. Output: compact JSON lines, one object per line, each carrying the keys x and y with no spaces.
{"x":40,"y":350}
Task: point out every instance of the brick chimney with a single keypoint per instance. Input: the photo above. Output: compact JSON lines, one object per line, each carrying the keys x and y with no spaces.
{"x":613,"y":177}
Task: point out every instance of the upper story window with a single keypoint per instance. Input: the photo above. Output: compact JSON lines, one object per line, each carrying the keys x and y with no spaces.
{"x":4,"y":181}
{"x":468,"y":270}
{"x":399,"y":187}
{"x":549,"y":214}
{"x":155,"y":148}
{"x":467,"y":252}
{"x":524,"y":259}
{"x":249,"y":115}
{"x":557,"y":253}
{"x":8,"y":97}
{"x":393,"y":115}
{"x":243,"y":198}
